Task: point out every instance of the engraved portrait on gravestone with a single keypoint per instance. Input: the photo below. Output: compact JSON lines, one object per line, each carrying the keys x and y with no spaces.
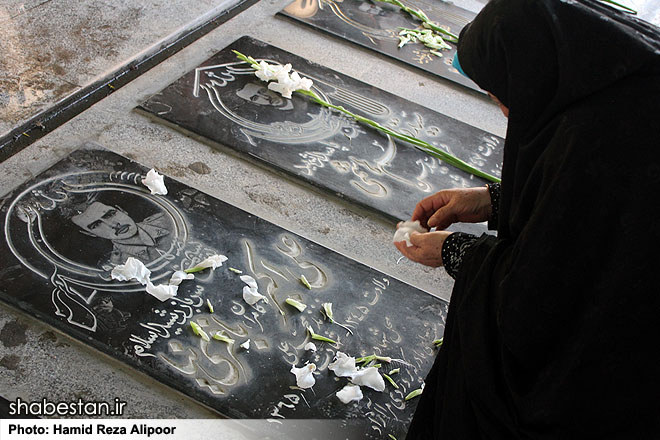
{"x":74,"y":229}
{"x":259,"y":94}
{"x":129,"y":239}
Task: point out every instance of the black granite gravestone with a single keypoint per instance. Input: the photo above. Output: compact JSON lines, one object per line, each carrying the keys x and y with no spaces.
{"x":376,"y":26}
{"x":67,"y":228}
{"x":224,"y":102}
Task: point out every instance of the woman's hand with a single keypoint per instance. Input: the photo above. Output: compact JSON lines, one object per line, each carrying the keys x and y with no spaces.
{"x":426,"y":248}
{"x":469,"y":205}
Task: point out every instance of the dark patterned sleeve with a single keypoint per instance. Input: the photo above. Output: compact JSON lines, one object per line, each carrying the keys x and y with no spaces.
{"x":494,"y":191}
{"x":453,"y":250}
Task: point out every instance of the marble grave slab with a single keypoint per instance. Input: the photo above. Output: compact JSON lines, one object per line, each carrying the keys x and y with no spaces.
{"x":224,"y":103}
{"x":68,"y":227}
{"x":376,"y":26}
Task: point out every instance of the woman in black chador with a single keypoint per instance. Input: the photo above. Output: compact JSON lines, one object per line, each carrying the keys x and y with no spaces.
{"x":554,"y":325}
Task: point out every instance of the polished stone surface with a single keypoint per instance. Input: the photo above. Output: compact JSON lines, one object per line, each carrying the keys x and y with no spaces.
{"x":376,"y":25}
{"x":223,"y":101}
{"x":68,"y":227}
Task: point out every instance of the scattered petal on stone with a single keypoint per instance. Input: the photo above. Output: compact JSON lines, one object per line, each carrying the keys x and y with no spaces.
{"x":220,"y":335}
{"x":304,"y":375}
{"x":297,"y":304}
{"x":155,"y":183}
{"x":179,"y":276}
{"x":162,"y":291}
{"x":132,"y":269}
{"x":214,"y":261}
{"x":246,"y":345}
{"x":350,"y":393}
{"x":247,"y":279}
{"x":343,"y":366}
{"x":369,"y":377}
{"x":405,"y":229}
{"x":252,"y":296}
{"x":310,"y":346}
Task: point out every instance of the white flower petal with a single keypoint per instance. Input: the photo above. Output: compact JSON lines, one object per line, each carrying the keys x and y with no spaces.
{"x":132,"y":269}
{"x":155,"y":182}
{"x":369,"y":377}
{"x":305,"y":84}
{"x":246,"y":345}
{"x":251,"y":296}
{"x":179,"y":276}
{"x":282,"y":89}
{"x":162,"y":291}
{"x":344,"y":365}
{"x":304,"y":375}
{"x":403,"y":231}
{"x":247,"y":279}
{"x":350,"y":393}
{"x":310,"y":346}
{"x":214,"y":261}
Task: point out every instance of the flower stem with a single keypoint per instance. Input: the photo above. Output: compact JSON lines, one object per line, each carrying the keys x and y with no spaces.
{"x":612,"y":2}
{"x":423,"y":17}
{"x":418,"y":143}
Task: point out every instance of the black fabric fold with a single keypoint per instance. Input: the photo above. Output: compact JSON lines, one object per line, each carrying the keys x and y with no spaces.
{"x":552,"y":326}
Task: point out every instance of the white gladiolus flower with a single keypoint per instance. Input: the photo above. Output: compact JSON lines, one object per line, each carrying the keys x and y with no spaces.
{"x":344,"y":365}
{"x":304,"y":375}
{"x":301,"y":83}
{"x":350,"y":393}
{"x":155,"y":182}
{"x":269,"y":72}
{"x":404,"y":230}
{"x":283,"y":82}
{"x":369,"y":377}
{"x":310,"y":346}
{"x":283,"y":89}
{"x":132,"y":269}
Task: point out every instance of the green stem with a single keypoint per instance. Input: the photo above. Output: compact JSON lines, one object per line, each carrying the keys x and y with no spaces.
{"x":630,"y":10}
{"x":423,"y":17}
{"x":420,"y":144}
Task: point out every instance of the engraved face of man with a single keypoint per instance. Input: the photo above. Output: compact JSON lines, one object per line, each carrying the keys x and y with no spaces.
{"x":259,"y":94}
{"x":106,"y":222}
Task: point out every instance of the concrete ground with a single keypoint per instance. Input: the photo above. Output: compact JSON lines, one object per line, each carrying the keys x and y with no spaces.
{"x":35,"y":360}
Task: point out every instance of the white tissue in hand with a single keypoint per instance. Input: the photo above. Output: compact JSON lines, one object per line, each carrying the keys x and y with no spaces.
{"x":132,"y":269}
{"x":369,"y":377}
{"x":403,"y":231}
{"x":304,"y":375}
{"x":344,"y":365}
{"x":350,"y":393}
{"x":155,"y":182}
